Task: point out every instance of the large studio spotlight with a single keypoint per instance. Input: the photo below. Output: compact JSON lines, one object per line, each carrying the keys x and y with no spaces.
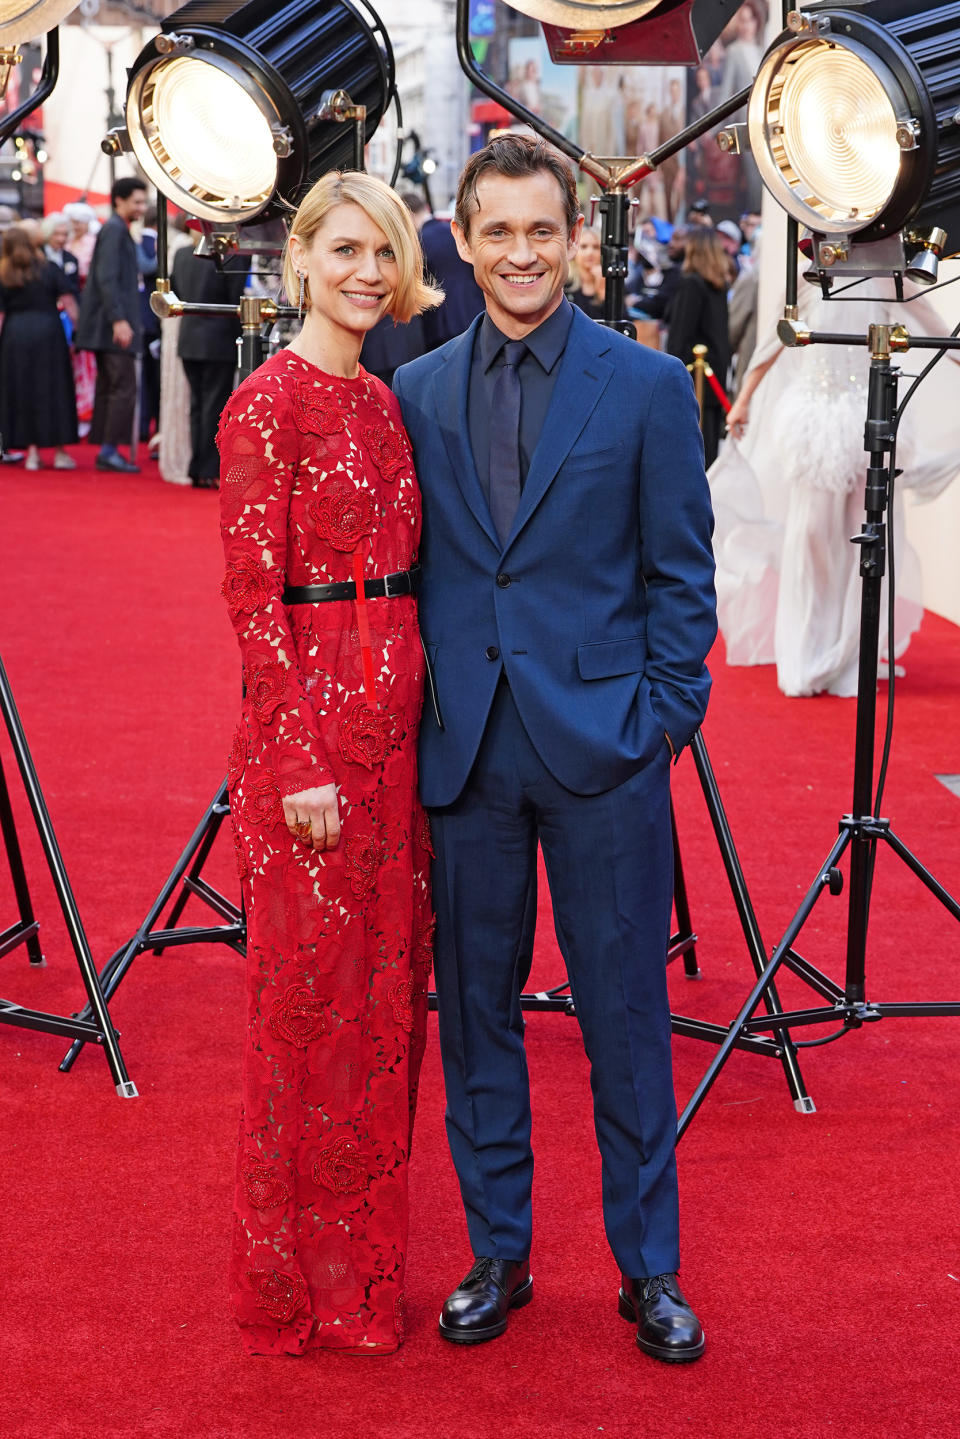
{"x":234,"y":107}
{"x":854,"y":122}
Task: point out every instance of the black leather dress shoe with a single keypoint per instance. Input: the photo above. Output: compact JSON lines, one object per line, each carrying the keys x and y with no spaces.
{"x":116,"y":463}
{"x":667,"y":1327}
{"x":478,"y":1309}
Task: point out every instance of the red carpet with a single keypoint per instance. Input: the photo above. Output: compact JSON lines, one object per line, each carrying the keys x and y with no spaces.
{"x":822,"y":1251}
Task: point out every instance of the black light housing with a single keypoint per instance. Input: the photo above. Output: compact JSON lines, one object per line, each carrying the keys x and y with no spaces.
{"x":854,"y":119}
{"x":228,"y":109}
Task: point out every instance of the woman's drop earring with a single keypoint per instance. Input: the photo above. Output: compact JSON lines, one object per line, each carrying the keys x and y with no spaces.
{"x":300,"y":305}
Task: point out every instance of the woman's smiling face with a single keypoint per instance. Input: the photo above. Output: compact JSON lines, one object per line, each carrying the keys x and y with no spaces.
{"x":350,"y":268}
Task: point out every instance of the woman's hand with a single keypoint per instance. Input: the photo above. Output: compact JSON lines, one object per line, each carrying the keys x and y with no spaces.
{"x":313,"y":816}
{"x":738,"y":415}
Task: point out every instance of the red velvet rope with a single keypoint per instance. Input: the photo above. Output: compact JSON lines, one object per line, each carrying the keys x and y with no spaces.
{"x":717,"y":388}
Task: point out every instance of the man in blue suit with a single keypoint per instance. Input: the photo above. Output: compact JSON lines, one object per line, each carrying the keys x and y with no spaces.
{"x":567,"y":606}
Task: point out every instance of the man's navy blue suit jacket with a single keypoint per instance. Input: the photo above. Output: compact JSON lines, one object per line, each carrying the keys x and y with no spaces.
{"x":601,"y":604}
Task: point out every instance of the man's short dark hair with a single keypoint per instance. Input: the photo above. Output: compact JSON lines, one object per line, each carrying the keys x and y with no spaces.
{"x":514,"y":156}
{"x":126,"y":186}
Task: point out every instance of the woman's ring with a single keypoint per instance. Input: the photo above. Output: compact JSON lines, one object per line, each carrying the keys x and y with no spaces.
{"x":304,"y":829}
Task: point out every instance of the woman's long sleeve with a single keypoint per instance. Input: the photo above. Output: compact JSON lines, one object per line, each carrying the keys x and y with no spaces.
{"x":258,"y":462}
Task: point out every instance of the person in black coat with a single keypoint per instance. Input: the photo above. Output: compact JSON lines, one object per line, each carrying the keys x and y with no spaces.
{"x":111,"y":325}
{"x":698,"y":316}
{"x":208,"y":348}
{"x":38,"y":406}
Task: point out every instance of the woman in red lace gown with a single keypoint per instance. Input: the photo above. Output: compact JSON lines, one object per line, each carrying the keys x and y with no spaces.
{"x":318,"y":489}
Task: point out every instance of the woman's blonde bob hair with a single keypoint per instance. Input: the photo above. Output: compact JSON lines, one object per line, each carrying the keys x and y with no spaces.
{"x":385,"y":208}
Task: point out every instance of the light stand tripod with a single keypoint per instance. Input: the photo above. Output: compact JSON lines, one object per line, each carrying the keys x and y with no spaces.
{"x":616,"y":176}
{"x":862,"y":829}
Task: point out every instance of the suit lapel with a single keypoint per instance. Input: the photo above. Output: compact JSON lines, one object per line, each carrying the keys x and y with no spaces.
{"x":585,"y":371}
{"x":451,"y":386}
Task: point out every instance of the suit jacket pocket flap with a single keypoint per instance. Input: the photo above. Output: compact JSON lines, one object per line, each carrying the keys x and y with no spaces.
{"x":612,"y":657}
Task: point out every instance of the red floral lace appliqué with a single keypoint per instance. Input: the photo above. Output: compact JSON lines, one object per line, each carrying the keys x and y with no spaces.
{"x":363,"y":858}
{"x":343,"y":515}
{"x":262,"y":804}
{"x":341,"y":1167}
{"x":316,"y":412}
{"x":401,"y":997}
{"x":365,"y":735}
{"x":298,"y":1017}
{"x":281,"y":1295}
{"x":245,"y":587}
{"x":387,"y":450}
{"x":265,"y":1188}
{"x":266,"y":685}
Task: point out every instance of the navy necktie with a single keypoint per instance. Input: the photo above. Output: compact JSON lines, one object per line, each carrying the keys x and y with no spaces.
{"x":505,"y":440}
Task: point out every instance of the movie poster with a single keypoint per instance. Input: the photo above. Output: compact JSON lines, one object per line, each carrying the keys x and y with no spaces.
{"x":549,"y":90}
{"x":730,"y":184}
{"x":630,"y":110}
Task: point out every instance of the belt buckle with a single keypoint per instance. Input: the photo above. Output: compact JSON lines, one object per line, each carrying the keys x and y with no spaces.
{"x":392,"y":594}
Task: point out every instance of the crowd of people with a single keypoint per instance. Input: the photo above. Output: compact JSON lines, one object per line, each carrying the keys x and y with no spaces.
{"x":76,"y":290}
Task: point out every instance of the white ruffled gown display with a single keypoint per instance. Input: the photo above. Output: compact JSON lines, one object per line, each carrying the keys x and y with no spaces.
{"x":789,"y":496}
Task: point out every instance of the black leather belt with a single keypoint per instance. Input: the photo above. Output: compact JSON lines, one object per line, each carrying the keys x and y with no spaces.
{"x":389,"y":587}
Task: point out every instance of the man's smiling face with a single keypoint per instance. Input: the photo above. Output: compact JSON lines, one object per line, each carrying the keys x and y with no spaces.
{"x":520,"y":248}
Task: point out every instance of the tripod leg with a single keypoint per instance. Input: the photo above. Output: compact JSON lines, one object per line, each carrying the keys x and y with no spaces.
{"x":762,"y":984}
{"x":923,"y":874}
{"x":97,"y":1004}
{"x":120,"y":962}
{"x":27,"y":928}
{"x":685,"y":935}
{"x":748,"y":920}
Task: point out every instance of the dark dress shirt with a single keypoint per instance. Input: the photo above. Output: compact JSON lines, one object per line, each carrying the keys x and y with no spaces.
{"x":538,"y":372}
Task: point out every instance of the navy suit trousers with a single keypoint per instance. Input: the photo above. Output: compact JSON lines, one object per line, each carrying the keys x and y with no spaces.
{"x":610,"y":868}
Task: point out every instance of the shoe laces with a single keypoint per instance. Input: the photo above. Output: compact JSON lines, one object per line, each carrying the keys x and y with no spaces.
{"x":481,"y":1269}
{"x":659,"y":1284}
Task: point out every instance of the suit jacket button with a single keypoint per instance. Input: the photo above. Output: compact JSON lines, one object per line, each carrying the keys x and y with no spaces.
{"x":503,"y":581}
{"x":492,"y":652}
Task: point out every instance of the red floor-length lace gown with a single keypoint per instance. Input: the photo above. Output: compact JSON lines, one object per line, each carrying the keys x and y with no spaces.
{"x":317,"y":484}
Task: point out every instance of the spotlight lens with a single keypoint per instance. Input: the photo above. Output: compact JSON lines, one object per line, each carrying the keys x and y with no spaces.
{"x":208,"y":135}
{"x":827,"y":141}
